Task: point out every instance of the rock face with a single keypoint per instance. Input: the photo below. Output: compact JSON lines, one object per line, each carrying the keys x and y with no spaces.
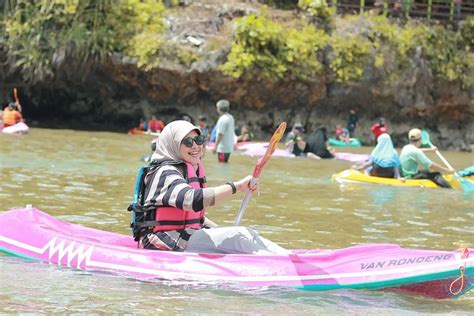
{"x":117,"y":94}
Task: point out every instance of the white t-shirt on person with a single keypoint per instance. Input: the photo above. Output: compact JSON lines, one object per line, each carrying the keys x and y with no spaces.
{"x":226,"y":127}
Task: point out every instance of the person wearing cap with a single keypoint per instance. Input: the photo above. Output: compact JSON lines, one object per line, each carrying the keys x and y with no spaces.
{"x":225,"y":132}
{"x":379,"y":128}
{"x":175,"y":189}
{"x":413,"y":155}
{"x":202,"y":123}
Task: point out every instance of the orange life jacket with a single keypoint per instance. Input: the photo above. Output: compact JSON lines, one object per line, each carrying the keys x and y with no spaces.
{"x":11,"y":117}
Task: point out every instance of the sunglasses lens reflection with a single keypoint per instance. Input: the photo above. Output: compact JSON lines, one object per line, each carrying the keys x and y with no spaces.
{"x":199,"y":140}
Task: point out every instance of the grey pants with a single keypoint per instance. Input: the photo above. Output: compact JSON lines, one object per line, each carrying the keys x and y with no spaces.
{"x":241,"y":240}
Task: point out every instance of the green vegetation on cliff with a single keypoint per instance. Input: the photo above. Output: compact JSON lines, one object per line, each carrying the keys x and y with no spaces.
{"x":267,"y":47}
{"x":44,"y":38}
{"x":446,"y":51}
{"x":356,"y":42}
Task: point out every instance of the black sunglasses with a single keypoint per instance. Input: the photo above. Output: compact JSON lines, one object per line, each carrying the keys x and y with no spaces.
{"x":199,"y":140}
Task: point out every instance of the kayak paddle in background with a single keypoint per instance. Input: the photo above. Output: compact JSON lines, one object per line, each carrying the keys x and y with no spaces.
{"x":277,"y":135}
{"x":17,"y":100}
{"x":466,"y":185}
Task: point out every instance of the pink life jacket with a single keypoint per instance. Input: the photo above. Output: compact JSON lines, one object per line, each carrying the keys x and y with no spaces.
{"x":172,"y":218}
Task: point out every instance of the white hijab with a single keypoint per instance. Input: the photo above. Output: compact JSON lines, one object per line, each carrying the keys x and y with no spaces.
{"x":169,"y":141}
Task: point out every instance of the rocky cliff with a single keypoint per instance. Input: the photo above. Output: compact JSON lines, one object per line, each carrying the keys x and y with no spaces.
{"x":116,"y":94}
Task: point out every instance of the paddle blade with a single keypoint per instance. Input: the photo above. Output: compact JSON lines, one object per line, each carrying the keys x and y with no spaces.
{"x":425,"y":139}
{"x":466,"y":185}
{"x":277,"y":135}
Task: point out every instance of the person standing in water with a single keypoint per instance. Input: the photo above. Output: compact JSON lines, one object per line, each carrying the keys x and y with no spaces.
{"x":352,"y":122}
{"x":202,"y":124}
{"x":225,"y":131}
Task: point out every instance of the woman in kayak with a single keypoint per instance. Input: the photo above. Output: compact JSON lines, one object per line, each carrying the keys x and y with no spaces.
{"x":11,"y":115}
{"x":177,"y":190}
{"x":296,"y":145}
{"x":318,"y":144}
{"x":383,"y":161}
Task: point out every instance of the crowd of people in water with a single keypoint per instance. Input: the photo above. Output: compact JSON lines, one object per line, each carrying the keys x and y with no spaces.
{"x":174,"y":192}
{"x":384,"y":160}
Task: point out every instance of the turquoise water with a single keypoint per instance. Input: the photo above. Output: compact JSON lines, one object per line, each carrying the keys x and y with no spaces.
{"x":88,"y":178}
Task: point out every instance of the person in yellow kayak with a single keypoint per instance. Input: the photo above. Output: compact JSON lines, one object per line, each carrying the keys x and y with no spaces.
{"x":383,"y":161}
{"x":413,"y":155}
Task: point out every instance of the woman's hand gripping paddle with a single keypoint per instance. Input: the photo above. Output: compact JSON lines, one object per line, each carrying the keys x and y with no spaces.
{"x":258,"y":168}
{"x":466,"y":185}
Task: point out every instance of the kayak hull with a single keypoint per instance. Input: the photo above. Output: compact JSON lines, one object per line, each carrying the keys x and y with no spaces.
{"x":18,"y":128}
{"x":354,"y":142}
{"x":355,"y":176}
{"x":32,"y":234}
{"x":136,"y":131}
{"x":237,"y":145}
{"x":259,"y":149}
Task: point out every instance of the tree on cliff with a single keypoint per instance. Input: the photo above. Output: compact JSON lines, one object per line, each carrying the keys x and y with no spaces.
{"x":47,"y":37}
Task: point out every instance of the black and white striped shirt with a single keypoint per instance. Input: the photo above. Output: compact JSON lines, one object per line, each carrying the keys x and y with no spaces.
{"x":166,"y":186}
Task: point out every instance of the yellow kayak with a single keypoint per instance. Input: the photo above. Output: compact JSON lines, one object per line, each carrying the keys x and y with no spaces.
{"x":355,"y":176}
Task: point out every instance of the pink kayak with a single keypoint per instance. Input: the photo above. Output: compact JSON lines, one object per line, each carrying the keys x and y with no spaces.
{"x":237,"y":146}
{"x":18,"y":128}
{"x":259,"y":149}
{"x":32,"y":234}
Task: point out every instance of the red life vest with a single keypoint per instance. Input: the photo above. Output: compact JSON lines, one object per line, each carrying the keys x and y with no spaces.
{"x":378,"y":130}
{"x":155,"y":125}
{"x":172,"y":218}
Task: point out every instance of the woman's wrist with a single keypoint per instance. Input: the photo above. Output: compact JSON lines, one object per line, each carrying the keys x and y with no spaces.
{"x":232,"y":185}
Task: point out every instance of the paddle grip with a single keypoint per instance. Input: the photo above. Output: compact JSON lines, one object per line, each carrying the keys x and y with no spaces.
{"x":243,"y":206}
